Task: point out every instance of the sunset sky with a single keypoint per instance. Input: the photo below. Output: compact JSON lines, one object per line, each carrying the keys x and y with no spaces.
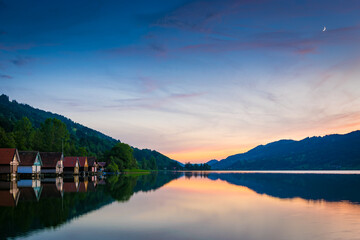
{"x":195,"y":80}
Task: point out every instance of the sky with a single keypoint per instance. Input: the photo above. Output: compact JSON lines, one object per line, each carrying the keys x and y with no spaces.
{"x":195,"y":80}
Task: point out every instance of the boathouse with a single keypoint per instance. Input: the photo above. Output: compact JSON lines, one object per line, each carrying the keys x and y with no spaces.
{"x":83,"y":164}
{"x":52,"y":162}
{"x":92,"y":168}
{"x":9,"y":161}
{"x":30,"y":163}
{"x":101,"y":166}
{"x":71,"y":165}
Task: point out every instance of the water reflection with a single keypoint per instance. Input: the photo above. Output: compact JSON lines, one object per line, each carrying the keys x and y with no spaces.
{"x":30,"y":204}
{"x":328,"y":187}
{"x":183,"y":208}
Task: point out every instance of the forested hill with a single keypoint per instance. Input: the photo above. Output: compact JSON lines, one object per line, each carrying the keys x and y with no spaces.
{"x":330,"y":152}
{"x":39,"y":131}
{"x":11,"y":111}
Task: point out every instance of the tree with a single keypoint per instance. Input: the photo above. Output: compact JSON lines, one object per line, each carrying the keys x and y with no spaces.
{"x":82,"y":152}
{"x":144,"y":163}
{"x":152,"y":163}
{"x":53,"y":135}
{"x":24,"y":134}
{"x":6,"y":139}
{"x":122,"y":156}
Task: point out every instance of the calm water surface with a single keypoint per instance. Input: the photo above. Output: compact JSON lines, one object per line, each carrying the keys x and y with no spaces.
{"x":186,"y":205}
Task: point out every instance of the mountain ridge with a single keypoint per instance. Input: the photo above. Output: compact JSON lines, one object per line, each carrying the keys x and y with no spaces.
{"x":334,"y":151}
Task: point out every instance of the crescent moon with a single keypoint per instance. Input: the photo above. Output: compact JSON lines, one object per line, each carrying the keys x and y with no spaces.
{"x":324,"y":29}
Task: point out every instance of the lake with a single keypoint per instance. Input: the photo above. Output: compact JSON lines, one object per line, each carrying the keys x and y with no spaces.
{"x":185,"y":205}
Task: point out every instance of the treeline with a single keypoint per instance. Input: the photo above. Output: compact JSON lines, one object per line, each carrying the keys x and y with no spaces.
{"x":51,"y":136}
{"x":150,"y":159}
{"x":123,"y":156}
{"x":194,"y":167}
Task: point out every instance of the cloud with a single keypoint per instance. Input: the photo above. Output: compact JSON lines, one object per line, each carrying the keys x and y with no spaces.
{"x":20,"y":60}
{"x":148,"y":84}
{"x":219,"y":26}
{"x":15,"y":47}
{"x":150,"y":103}
{"x":200,"y":16}
{"x":4,"y":76}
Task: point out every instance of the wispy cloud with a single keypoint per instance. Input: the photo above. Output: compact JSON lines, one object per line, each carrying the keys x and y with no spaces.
{"x":4,"y":76}
{"x":154,"y":102}
{"x":15,"y":47}
{"x":21,"y":60}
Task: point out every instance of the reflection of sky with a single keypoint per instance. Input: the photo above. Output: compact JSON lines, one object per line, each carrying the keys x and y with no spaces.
{"x":193,"y":79}
{"x":199,"y":208}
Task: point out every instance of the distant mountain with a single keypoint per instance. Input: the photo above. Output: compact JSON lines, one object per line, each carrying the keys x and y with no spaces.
{"x":315,"y":153}
{"x":212,"y":162}
{"x":95,"y":142}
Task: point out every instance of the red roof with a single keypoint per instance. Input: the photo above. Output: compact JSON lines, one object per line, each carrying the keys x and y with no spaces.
{"x":7,"y":155}
{"x":91,"y":161}
{"x":82,"y":161}
{"x":70,"y":161}
{"x":49,"y":159}
{"x":27,"y":158}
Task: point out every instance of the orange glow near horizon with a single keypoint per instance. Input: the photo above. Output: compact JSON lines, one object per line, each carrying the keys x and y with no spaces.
{"x":202,"y":155}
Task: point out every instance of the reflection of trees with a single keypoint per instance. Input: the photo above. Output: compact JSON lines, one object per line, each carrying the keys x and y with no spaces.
{"x":51,"y":210}
{"x":153,"y":181}
{"x":57,"y":206}
{"x":121,"y":187}
{"x":196,"y":174}
{"x":328,"y":187}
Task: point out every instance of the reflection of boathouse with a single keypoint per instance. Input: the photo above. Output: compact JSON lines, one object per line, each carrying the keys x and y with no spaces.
{"x":71,"y":184}
{"x":50,"y":190}
{"x":31,"y":188}
{"x":29,"y":194}
{"x":9,"y":194}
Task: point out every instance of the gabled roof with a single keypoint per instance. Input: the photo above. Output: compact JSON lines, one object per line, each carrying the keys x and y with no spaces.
{"x":70,"y":161}
{"x":49,"y":159}
{"x":82,"y":161}
{"x":27,"y":158}
{"x":7,"y":155}
{"x":91,"y":161}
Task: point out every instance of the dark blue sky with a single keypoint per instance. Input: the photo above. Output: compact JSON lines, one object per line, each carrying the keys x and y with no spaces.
{"x":194,"y":79}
